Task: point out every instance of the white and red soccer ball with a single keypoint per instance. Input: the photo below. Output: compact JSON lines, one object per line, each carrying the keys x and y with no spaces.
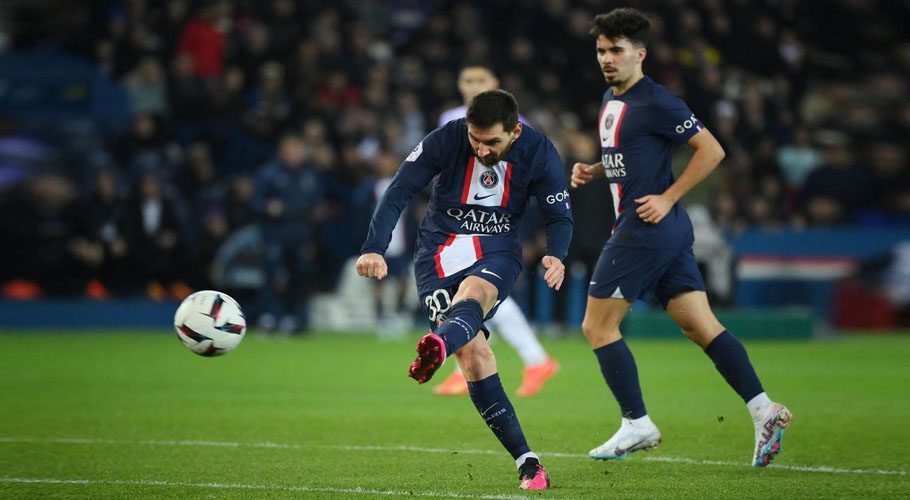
{"x":210,"y":323}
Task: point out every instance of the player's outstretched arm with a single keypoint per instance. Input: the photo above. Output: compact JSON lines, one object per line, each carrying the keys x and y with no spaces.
{"x":556,"y":271}
{"x":583,"y":173}
{"x":372,"y":265}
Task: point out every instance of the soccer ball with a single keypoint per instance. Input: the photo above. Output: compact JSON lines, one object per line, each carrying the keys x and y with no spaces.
{"x":210,"y":323}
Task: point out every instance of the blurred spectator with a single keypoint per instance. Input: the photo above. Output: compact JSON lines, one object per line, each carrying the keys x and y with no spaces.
{"x":288,"y":198}
{"x":145,"y":147}
{"x":196,"y":178}
{"x":797,"y":159}
{"x":145,"y":86}
{"x":270,"y":106}
{"x":159,"y":248}
{"x":713,"y":254}
{"x":203,"y":39}
{"x":285,"y":27}
{"x":108,"y":212}
{"x":360,"y":80}
{"x":227,"y":103}
{"x":889,"y":164}
{"x":399,"y":253}
{"x":53,"y":239}
{"x":186,"y":93}
{"x":239,"y":202}
{"x":836,"y":191}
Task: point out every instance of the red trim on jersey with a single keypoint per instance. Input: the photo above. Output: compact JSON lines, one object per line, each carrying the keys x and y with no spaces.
{"x":618,"y":123}
{"x":478,"y":252}
{"x":600,"y":117}
{"x":438,"y":256}
{"x":467,"y":180}
{"x":618,"y":206}
{"x":619,"y":201}
{"x":505,"y":194}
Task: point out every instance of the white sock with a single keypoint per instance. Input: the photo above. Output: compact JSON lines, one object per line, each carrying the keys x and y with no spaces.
{"x":640,"y":422}
{"x":521,"y":460}
{"x":512,"y":325}
{"x":758,"y":405}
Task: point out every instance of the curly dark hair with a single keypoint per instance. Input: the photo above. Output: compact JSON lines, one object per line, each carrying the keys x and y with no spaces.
{"x":626,"y":23}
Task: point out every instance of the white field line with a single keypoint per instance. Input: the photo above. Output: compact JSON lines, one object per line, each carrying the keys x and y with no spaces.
{"x":236,"y":486}
{"x":230,"y":444}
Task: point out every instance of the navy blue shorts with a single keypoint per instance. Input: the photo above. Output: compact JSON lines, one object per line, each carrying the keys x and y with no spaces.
{"x":436,"y":294}
{"x":645,"y":273}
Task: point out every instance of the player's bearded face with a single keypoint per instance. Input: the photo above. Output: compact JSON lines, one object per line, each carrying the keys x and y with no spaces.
{"x":618,"y":59}
{"x":492,"y":144}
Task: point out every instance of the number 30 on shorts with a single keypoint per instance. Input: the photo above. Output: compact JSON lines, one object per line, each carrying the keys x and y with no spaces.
{"x":438,"y":303}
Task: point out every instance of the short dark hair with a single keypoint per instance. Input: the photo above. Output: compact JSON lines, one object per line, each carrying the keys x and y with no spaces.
{"x":490,"y":107}
{"x":625,"y":23}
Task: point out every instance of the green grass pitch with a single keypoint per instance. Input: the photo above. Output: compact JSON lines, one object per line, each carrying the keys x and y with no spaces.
{"x":135,"y":415}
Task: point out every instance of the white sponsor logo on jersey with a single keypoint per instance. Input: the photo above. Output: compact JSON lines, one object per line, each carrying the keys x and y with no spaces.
{"x":416,"y":153}
{"x":686,"y":125}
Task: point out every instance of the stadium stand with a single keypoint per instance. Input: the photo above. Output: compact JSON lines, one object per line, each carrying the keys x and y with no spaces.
{"x":131,"y":133}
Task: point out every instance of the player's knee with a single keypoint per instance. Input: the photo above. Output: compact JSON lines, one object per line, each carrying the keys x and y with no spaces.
{"x":588,"y":327}
{"x":702,"y":334}
{"x":477,"y":292}
{"x":599,"y":334}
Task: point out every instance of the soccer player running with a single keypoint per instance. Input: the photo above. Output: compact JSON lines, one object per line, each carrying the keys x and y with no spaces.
{"x":510,"y":322}
{"x":483,"y":168}
{"x":650,"y":254}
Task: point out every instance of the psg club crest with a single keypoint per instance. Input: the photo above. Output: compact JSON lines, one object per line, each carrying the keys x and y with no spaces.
{"x":608,"y":122}
{"x":488,"y":179}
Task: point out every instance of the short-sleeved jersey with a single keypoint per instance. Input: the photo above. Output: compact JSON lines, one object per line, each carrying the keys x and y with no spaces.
{"x":474,"y":209}
{"x":638,"y":130}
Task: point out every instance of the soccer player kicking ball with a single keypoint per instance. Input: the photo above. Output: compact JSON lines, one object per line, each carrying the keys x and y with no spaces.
{"x":510,"y":322}
{"x":650,"y":254}
{"x":483,"y":168}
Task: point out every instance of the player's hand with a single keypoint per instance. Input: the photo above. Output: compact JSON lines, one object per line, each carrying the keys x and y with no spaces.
{"x":653,"y":207}
{"x":582,"y":173}
{"x":372,"y":265}
{"x":556,"y":271}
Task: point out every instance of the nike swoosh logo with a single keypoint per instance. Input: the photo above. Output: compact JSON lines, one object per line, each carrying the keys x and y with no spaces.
{"x":478,"y":198}
{"x":484,"y":271}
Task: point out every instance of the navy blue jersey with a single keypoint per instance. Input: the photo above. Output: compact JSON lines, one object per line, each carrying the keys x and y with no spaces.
{"x":638,"y":131}
{"x":474,"y":210}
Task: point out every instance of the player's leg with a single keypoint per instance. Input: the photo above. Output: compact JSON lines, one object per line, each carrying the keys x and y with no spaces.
{"x":617,"y":365}
{"x":691,"y":311}
{"x":479,"y":365}
{"x":510,"y":323}
{"x":622,"y":275}
{"x":474,"y":299}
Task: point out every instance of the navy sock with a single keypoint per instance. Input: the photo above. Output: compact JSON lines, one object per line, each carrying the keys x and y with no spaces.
{"x":494,"y":406}
{"x":618,"y":368}
{"x":733,"y":363}
{"x":462,"y":323}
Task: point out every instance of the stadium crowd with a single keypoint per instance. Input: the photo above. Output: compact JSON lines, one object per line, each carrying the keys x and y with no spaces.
{"x":228,"y":98}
